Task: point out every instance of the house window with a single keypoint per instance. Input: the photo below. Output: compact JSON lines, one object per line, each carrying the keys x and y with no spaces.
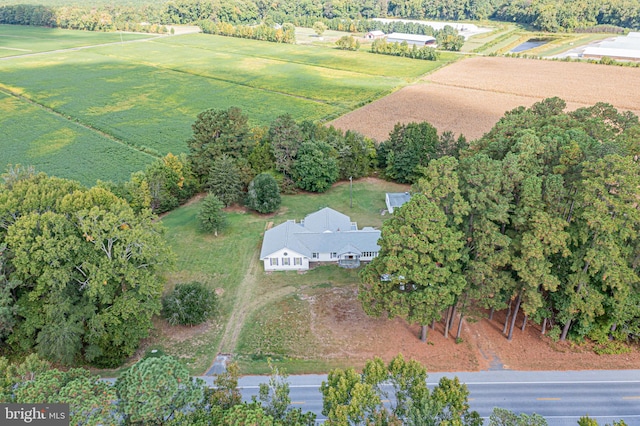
{"x":273,"y":261}
{"x":315,"y":255}
{"x":297,"y":261}
{"x":334,"y":255}
{"x":286,"y":261}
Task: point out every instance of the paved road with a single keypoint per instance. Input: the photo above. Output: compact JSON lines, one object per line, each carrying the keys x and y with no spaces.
{"x":562,"y":397}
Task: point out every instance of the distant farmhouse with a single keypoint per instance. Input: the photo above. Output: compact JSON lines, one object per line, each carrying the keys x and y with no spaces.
{"x":374,"y":35}
{"x":417,"y":39}
{"x":326,"y":236}
{"x":396,"y":199}
{"x":620,"y":48}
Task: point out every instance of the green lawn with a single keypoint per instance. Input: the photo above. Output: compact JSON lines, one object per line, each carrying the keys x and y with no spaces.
{"x":219,"y":262}
{"x":20,"y":40}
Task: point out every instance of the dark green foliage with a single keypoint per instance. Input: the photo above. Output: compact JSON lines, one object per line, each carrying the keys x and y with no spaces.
{"x":551,"y":225}
{"x":238,"y":18}
{"x":316,"y":168}
{"x":91,"y":401}
{"x":8,"y":307}
{"x":409,"y":146}
{"x":285,"y":137}
{"x":225,"y":180}
{"x":261,"y":158}
{"x":263,"y":194}
{"x":211,"y":216}
{"x":189,"y":304}
{"x":154,"y":389}
{"x":218,"y":132}
{"x":87,"y":267}
{"x":418,"y":273}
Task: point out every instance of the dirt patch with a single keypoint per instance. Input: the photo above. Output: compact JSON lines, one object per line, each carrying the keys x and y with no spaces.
{"x":469,"y":96}
{"x":179,"y":333}
{"x":344,"y":331}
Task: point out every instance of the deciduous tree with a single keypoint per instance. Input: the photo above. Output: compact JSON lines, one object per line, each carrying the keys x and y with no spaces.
{"x":315,"y":168}
{"x":263,"y":194}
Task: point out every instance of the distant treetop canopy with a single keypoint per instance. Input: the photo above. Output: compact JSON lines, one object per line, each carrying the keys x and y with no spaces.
{"x":545,"y":15}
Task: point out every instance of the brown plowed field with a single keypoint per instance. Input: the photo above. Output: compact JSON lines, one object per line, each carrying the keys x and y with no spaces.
{"x":469,"y":96}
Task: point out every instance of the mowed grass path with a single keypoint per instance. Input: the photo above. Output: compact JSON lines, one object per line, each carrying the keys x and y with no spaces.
{"x":148,"y":93}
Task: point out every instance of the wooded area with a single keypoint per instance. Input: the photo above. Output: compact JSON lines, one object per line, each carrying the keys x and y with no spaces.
{"x":540,"y":215}
{"x":354,"y":16}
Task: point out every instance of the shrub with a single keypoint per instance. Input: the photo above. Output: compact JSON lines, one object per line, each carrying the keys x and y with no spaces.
{"x":189,"y":304}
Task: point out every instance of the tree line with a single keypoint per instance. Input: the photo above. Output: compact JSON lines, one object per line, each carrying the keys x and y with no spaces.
{"x":540,"y":216}
{"x":158,"y":390}
{"x":354,"y":16}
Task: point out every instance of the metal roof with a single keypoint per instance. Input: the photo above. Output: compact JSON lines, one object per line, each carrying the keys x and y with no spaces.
{"x":325,"y":231}
{"x":416,"y":38}
{"x":396,"y":199}
{"x":283,"y":236}
{"x":327,"y":219}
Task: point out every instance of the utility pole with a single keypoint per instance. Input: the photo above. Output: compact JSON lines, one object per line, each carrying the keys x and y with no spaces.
{"x":350,"y":191}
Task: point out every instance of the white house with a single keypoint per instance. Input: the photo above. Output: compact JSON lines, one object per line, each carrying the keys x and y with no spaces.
{"x":417,"y":39}
{"x":324,"y":236}
{"x":396,"y":199}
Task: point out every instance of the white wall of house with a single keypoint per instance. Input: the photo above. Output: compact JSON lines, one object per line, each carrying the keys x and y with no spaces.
{"x":367,"y":256}
{"x":324,"y":257}
{"x":286,"y":260}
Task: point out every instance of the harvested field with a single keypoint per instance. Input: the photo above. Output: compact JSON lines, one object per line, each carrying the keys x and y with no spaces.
{"x":469,"y":96}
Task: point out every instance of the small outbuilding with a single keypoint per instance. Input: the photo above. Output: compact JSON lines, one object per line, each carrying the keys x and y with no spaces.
{"x":396,"y":199}
{"x":374,"y":35}
{"x":417,"y":39}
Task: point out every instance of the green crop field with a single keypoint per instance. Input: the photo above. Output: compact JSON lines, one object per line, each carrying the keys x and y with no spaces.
{"x":146,"y":93}
{"x":31,"y":135}
{"x":21,"y":40}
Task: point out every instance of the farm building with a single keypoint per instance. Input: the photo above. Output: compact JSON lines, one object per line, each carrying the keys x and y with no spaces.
{"x":326,"y":236}
{"x":394,"y":200}
{"x":417,"y":39}
{"x":374,"y":35}
{"x":619,"y":48}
